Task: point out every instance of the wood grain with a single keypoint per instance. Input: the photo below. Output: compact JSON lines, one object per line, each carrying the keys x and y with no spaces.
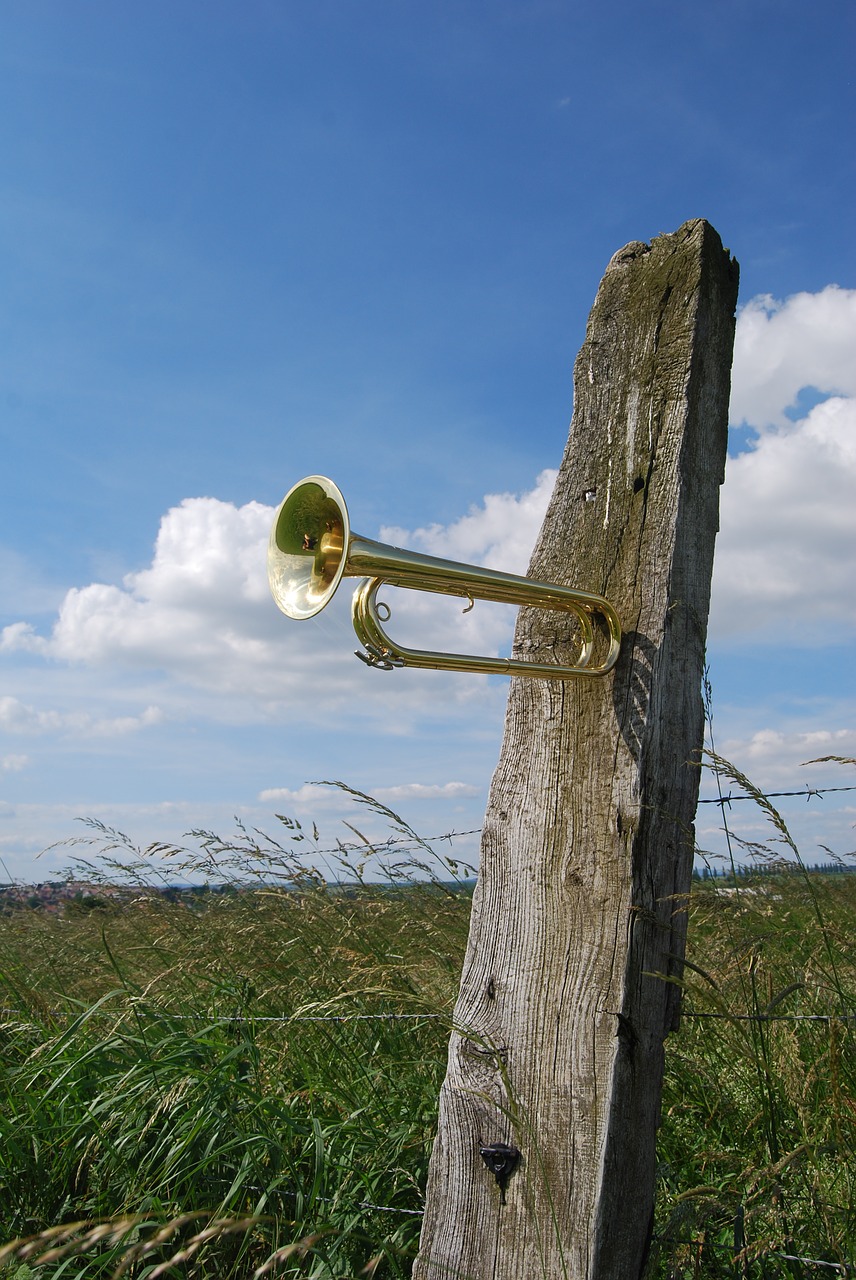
{"x":588,"y":840}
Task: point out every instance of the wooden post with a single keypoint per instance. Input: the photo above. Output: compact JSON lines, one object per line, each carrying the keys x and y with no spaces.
{"x":579,"y":913}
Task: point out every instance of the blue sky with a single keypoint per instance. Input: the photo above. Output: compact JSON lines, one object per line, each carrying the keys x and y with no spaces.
{"x":244,"y":243}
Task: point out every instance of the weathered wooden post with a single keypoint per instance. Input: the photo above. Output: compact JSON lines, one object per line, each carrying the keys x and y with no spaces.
{"x":588,"y":838}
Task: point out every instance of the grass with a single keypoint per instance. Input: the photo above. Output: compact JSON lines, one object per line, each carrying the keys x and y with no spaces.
{"x":759,"y":1108}
{"x":174,"y":1099}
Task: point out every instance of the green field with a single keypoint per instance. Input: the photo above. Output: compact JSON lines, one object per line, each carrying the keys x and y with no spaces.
{"x":190,"y":1086}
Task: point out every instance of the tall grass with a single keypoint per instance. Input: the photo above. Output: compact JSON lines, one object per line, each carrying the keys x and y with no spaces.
{"x":177,"y":1060}
{"x":200,"y":1085}
{"x":758,"y":1141}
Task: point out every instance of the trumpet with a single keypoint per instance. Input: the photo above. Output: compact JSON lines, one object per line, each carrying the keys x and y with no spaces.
{"x":312,"y":548}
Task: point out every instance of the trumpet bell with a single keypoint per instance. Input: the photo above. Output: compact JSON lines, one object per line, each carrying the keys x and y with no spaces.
{"x":307,"y":547}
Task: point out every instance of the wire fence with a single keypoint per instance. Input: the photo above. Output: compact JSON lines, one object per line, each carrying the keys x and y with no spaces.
{"x":737,"y":1254}
{"x":736,"y":1250}
{"x":805,"y":793}
{"x":392,"y":843}
{"x":250,"y":1018}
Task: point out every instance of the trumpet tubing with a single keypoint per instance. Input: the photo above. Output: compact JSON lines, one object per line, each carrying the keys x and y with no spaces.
{"x":312,"y":548}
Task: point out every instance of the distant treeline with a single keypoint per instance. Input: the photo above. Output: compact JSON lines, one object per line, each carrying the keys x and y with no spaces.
{"x":54,"y":897}
{"x":60,"y":896}
{"x":773,"y":868}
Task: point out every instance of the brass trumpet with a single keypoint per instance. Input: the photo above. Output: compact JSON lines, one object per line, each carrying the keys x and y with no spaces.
{"x":312,"y":548}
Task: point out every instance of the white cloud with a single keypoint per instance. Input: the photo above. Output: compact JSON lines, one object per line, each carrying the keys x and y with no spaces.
{"x":426,"y":791}
{"x":499,"y":534}
{"x":785,"y":563}
{"x":116,"y":725}
{"x":311,"y":795}
{"x":17,"y":717}
{"x":784,"y":557}
{"x":202,"y":613}
{"x":13,"y":764}
{"x":204,"y":596}
{"x":809,"y":340}
{"x":21,"y":636}
{"x":783,"y":758}
{"x":776,"y":756}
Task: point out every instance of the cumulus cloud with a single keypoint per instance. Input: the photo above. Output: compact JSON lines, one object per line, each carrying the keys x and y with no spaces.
{"x":21,"y":636}
{"x":315,"y":795}
{"x":780,"y":759}
{"x":13,"y":763}
{"x":311,"y":794}
{"x":500,"y":533}
{"x":202,"y":597}
{"x":780,"y":348}
{"x":784,"y":556}
{"x":426,"y":791}
{"x":17,"y":717}
{"x":781,"y":751}
{"x":201,"y":612}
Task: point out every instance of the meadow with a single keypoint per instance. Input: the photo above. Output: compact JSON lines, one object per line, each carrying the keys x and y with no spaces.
{"x":244,"y":1082}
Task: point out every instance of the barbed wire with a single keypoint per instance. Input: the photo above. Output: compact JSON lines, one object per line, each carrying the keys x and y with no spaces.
{"x":843,"y":1268}
{"x":807,"y":792}
{"x":774,"y":1017}
{"x":395,"y":841}
{"x":224,"y":1019}
{"x":390,"y":1208}
{"x":372,"y":846}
